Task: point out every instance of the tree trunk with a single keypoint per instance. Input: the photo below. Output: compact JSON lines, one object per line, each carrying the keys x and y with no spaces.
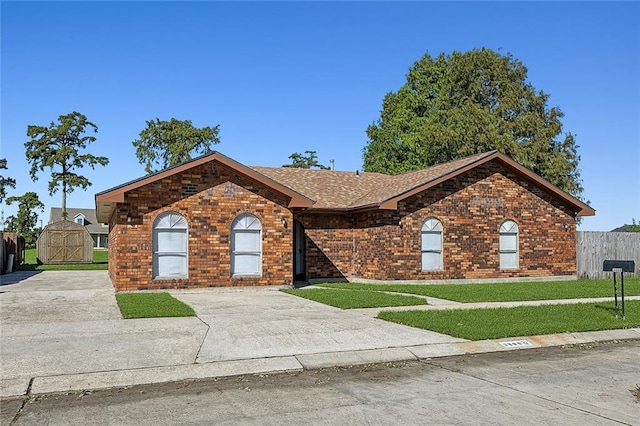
{"x":64,"y":200}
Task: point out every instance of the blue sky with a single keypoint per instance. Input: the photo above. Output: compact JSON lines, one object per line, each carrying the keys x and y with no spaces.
{"x":288,"y":77}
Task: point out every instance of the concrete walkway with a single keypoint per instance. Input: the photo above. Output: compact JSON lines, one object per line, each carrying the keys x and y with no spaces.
{"x":62,"y":331}
{"x":441,"y":304}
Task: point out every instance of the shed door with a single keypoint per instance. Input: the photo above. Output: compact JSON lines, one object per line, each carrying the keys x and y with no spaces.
{"x":66,"y":245}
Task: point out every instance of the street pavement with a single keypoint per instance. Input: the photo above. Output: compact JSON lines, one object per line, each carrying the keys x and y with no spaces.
{"x":61,"y":331}
{"x":589,"y":384}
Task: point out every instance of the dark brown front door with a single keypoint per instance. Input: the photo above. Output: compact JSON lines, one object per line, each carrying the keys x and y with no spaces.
{"x":298,"y":252}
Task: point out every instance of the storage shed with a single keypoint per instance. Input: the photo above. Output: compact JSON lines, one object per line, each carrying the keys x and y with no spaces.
{"x":64,"y":242}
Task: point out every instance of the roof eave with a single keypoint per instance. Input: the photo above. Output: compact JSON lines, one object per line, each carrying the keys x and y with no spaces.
{"x":335,"y":210}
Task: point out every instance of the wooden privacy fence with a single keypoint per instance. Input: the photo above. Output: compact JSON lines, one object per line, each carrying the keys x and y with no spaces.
{"x":65,"y":242}
{"x":593,"y":248}
{"x":11,"y":246}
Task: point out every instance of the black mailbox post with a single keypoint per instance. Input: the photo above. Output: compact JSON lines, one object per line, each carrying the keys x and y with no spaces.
{"x":621,"y":266}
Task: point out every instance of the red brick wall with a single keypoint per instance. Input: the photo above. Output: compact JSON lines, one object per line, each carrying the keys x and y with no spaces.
{"x":368,"y":245}
{"x":471,"y":208}
{"x":209,"y":197}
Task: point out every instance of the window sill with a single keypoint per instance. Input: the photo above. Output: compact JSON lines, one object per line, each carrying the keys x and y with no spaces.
{"x":170,"y":278}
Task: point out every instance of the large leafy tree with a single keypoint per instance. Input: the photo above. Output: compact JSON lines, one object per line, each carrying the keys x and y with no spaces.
{"x":308,"y":161}
{"x":5,"y":182}
{"x":26,"y":220}
{"x":58,"y":148}
{"x":165,"y":144}
{"x":466,"y":103}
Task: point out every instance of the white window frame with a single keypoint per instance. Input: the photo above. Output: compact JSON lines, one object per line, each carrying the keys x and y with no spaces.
{"x":431,"y":227}
{"x":176,"y":224}
{"x":509,"y":255}
{"x":246,"y":223}
{"x":79,"y":219}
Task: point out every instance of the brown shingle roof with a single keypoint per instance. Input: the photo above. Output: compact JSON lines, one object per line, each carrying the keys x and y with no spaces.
{"x":329,"y":189}
{"x":348,"y":190}
{"x":341,"y":191}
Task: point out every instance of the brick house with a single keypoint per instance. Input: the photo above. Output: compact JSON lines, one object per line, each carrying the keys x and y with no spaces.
{"x":215,"y":222}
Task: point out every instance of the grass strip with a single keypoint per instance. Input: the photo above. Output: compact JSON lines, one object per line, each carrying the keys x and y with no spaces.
{"x":100,"y":262}
{"x":495,"y":323}
{"x":504,"y":292}
{"x":350,"y":299}
{"x":152,"y":305}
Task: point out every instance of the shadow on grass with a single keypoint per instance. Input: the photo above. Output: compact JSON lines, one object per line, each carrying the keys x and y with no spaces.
{"x":608,"y":308}
{"x":64,"y":267}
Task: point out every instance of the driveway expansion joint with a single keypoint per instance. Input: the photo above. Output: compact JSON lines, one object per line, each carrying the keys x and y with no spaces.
{"x":204,"y":338}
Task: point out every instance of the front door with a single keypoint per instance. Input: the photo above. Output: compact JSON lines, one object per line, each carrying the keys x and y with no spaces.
{"x":298,"y":251}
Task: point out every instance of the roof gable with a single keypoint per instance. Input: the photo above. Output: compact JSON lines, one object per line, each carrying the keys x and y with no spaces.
{"x":107,"y":200}
{"x":439,"y":173}
{"x":407,"y":184}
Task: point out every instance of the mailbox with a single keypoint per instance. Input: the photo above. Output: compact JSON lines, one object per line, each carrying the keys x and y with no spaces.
{"x":623,"y":265}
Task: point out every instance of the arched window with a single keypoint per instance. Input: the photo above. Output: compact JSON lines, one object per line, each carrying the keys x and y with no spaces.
{"x":246,"y":245}
{"x":170,"y":246}
{"x":509,"y":245}
{"x":432,"y":245}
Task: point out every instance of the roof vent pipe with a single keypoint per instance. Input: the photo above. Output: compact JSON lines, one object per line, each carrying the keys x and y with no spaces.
{"x":357,"y":173}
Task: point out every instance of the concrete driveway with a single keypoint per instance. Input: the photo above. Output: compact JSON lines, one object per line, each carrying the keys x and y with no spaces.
{"x":62,"y":331}
{"x":264,"y":322}
{"x":57,"y":323}
{"x":67,"y":322}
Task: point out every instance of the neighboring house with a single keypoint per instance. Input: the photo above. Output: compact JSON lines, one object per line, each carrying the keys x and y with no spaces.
{"x":215,"y":222}
{"x":627,"y":228}
{"x":86,"y":217}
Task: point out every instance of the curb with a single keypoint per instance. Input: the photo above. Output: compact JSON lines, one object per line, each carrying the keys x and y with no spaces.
{"x":26,"y":386}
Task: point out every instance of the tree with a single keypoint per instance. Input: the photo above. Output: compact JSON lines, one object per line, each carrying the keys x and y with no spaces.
{"x":25,"y":223}
{"x":5,"y":181}
{"x":57,"y":147}
{"x":308,"y":161}
{"x":466,"y":103}
{"x":169,"y":143}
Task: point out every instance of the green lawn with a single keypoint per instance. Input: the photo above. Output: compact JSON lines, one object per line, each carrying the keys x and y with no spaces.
{"x":503,"y":292}
{"x":480,"y":324}
{"x":152,"y":305}
{"x":100,"y":261}
{"x":350,"y":299}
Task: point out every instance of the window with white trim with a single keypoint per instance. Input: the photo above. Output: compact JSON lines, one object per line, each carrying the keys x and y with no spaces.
{"x":170,"y":246}
{"x":80,"y":220}
{"x":431,"y":245}
{"x":509,"y":245}
{"x":246,"y":245}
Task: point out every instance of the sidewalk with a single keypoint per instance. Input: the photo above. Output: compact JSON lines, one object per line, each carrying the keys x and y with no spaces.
{"x":62,"y":332}
{"x":441,"y":304}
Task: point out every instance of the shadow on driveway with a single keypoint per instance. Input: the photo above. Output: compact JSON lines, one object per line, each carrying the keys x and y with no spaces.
{"x":16,"y":277}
